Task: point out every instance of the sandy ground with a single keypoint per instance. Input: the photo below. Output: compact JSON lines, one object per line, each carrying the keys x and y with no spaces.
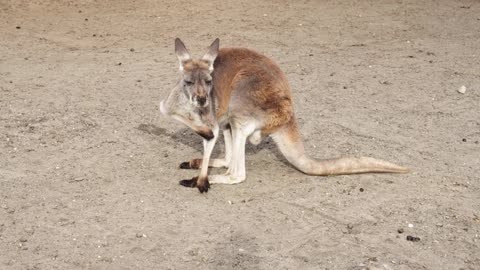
{"x":89,"y":169}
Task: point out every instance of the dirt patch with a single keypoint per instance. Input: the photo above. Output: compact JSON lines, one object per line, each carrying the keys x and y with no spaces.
{"x":89,"y":169}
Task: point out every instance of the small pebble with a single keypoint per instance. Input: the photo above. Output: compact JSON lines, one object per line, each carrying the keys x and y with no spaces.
{"x":361,"y":189}
{"x":412,"y":238}
{"x":86,"y":19}
{"x":132,"y":50}
{"x":119,"y":64}
{"x":400,"y":230}
{"x":462,"y":89}
{"x":23,"y":239}
{"x":410,"y":225}
{"x":140,"y":235}
{"x":464,"y":140}
{"x":18,"y":27}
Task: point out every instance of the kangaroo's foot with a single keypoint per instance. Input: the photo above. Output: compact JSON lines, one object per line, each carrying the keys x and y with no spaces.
{"x":202,"y":184}
{"x":227,"y":179}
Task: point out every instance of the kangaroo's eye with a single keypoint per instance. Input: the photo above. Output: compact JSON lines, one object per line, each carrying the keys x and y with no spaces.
{"x":189,"y":83}
{"x":208,"y":82}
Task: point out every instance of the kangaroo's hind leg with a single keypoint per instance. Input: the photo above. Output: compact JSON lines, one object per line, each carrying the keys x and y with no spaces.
{"x":236,"y":172}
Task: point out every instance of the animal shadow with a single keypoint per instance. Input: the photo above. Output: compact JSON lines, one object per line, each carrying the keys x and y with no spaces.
{"x":192,"y":140}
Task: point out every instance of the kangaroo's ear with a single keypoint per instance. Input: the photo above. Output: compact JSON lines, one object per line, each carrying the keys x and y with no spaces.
{"x":212,"y":53}
{"x":182,"y":53}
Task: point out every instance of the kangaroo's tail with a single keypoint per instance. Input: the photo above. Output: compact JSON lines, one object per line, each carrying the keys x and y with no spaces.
{"x":290,"y":144}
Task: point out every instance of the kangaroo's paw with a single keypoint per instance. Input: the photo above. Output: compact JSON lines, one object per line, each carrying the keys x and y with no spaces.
{"x":226,"y":179}
{"x":192,"y":164}
{"x":202,"y":184}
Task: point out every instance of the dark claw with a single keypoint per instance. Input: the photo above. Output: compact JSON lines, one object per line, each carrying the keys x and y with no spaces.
{"x":205,"y":187}
{"x":185,"y":165}
{"x":191,"y":183}
{"x":207,"y":135}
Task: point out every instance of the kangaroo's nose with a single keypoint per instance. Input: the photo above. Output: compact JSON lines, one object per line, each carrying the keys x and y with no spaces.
{"x":201,"y":100}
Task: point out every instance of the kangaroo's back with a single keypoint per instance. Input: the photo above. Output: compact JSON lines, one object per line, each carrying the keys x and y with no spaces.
{"x":247,"y":81}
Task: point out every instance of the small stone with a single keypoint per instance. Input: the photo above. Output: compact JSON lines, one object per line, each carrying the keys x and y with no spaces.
{"x":464,"y":140}
{"x":410,"y":225}
{"x":140,"y":235}
{"x":119,"y":64}
{"x":361,"y":190}
{"x":23,"y":239}
{"x":132,"y":50}
{"x":230,"y":202}
{"x":462,"y":89}
{"x":94,"y":35}
{"x":400,"y":230}
{"x":86,"y":19}
{"x":18,"y":27}
{"x":413,"y":238}
{"x":78,"y":179}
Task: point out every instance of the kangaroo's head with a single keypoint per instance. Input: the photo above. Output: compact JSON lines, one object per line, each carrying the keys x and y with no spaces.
{"x":196,"y":78}
{"x":195,"y":84}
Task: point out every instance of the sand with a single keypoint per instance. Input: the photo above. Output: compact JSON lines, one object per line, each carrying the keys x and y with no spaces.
{"x":89,"y":168}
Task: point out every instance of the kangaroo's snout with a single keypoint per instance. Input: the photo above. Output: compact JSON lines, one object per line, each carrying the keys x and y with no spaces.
{"x":201,"y":100}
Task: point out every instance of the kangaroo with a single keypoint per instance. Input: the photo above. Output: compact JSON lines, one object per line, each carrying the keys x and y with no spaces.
{"x":247,"y":96}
